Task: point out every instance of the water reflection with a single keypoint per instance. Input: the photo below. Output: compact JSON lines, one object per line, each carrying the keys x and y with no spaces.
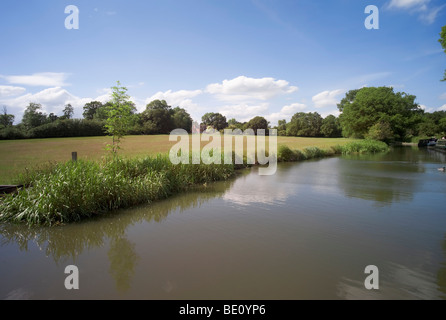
{"x":302,"y":233}
{"x":71,"y":240}
{"x":441,"y":276}
{"x":254,"y":189}
{"x":397,"y":282}
{"x":65,"y":243}
{"x":123,"y":259}
{"x":384,"y":178}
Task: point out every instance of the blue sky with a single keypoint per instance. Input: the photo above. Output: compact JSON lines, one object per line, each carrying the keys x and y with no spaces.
{"x":239,"y":57}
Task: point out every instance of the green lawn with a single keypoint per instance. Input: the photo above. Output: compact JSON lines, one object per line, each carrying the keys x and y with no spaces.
{"x":16,"y":155}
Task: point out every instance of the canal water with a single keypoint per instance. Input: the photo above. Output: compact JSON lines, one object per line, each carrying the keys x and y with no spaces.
{"x":307,"y":232}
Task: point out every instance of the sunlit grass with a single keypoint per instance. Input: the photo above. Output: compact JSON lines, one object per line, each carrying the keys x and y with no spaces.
{"x":17,"y":155}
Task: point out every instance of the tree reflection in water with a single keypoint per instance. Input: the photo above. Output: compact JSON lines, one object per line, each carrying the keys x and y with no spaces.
{"x":65,"y":243}
{"x":123,"y":259}
{"x":441,"y":276}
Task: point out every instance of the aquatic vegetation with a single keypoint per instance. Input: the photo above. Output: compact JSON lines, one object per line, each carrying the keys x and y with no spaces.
{"x":364,"y":146}
{"x":71,"y":191}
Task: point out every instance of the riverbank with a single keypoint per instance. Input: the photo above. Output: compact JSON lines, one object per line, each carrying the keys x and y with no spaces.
{"x":67,"y":192}
{"x":16,"y":156}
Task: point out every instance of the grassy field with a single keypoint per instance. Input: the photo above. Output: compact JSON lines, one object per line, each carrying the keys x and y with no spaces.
{"x":16,"y":155}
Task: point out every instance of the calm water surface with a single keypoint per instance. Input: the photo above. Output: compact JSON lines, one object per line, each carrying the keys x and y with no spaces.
{"x":307,"y":232}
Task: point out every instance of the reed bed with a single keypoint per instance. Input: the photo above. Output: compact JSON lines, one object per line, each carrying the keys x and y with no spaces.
{"x":72,"y":191}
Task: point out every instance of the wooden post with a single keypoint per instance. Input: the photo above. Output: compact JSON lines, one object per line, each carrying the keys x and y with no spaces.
{"x":74,"y":156}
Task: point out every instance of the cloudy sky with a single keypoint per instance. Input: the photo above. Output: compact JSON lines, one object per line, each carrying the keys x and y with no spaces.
{"x":239,"y":57}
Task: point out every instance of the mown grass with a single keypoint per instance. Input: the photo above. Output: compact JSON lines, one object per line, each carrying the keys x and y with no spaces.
{"x":18,"y":155}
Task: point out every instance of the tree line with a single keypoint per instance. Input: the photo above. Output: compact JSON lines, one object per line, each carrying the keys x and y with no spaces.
{"x":377,"y":113}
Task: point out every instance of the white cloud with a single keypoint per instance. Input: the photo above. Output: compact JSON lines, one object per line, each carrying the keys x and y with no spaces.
{"x":327,"y":98}
{"x":52,"y":100}
{"x":7,"y":91}
{"x":104,"y":95}
{"x":45,"y":79}
{"x":408,"y":4}
{"x":285,"y":113}
{"x":248,"y":89}
{"x":243,"y":112}
{"x":431,"y":14}
{"x":442,"y":108}
{"x":175,"y":98}
{"x":427,"y":13}
{"x":426,"y":109}
{"x":181,"y":98}
{"x":335,"y":113}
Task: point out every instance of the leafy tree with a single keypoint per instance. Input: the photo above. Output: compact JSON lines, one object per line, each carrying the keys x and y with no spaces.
{"x":257,"y":123}
{"x":233,"y":124}
{"x":281,"y":125}
{"x":442,"y":40}
{"x":101,"y":114}
{"x":281,"y":128}
{"x":181,"y":119}
{"x":68,"y":112}
{"x":6,"y":120}
{"x":33,"y":117}
{"x":435,"y":116}
{"x":91,"y":109}
{"x":428,"y":127}
{"x":331,"y":127}
{"x":119,"y":112}
{"x":305,"y":124}
{"x":52,"y":117}
{"x":442,"y":126}
{"x":157,"y":118}
{"x":361,"y":109}
{"x":381,"y":131}
{"x":215,"y":120}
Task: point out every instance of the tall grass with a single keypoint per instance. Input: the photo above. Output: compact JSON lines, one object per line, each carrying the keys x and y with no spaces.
{"x":364,"y":146}
{"x":72,"y":191}
{"x":285,"y":154}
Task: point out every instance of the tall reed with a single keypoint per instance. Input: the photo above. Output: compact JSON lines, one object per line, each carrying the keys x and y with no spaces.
{"x":72,"y":191}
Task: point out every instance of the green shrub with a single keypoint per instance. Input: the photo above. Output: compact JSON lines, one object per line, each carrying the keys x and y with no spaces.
{"x":365,"y":146}
{"x":336,"y":149}
{"x":314,"y":152}
{"x":69,"y":128}
{"x":12,"y":133}
{"x":285,"y":154}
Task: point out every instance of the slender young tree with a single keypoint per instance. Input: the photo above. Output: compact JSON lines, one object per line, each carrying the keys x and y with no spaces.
{"x":119,"y":116}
